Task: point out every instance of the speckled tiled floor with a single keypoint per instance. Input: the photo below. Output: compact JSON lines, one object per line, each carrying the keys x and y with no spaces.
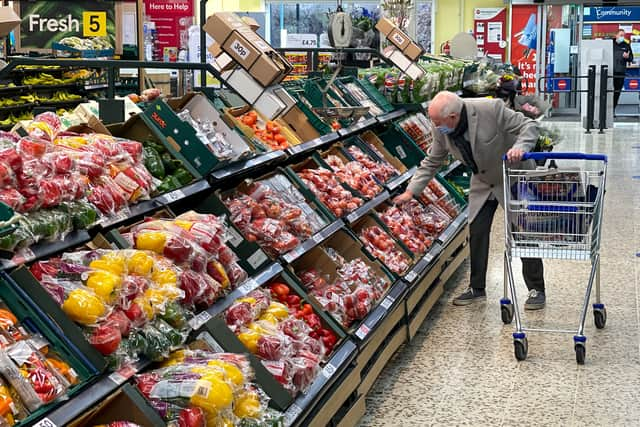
{"x":460,"y":368}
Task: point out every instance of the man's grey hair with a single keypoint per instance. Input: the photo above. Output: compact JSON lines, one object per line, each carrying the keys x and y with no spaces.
{"x":453,"y":103}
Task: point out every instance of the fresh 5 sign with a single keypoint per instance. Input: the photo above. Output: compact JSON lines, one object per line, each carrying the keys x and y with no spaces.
{"x":46,"y":22}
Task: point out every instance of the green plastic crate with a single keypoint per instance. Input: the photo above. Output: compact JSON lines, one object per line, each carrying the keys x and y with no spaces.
{"x":371,"y":91}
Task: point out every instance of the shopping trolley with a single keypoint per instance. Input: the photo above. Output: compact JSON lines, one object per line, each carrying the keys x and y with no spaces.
{"x":554,"y":213}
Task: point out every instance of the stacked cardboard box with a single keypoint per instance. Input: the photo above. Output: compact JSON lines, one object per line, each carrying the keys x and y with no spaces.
{"x":404,"y":51}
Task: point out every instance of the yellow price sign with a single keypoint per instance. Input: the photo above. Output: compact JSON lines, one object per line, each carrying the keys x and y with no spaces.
{"x":94,"y":24}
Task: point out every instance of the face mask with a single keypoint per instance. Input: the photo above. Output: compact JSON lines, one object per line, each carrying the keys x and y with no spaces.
{"x":620,"y":39}
{"x":445,"y":130}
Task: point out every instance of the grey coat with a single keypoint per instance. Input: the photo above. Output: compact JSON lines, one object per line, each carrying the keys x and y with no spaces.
{"x":493,"y":130}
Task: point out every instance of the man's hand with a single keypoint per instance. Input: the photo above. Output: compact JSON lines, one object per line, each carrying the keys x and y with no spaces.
{"x":403,"y":198}
{"x":625,"y":55}
{"x":515,"y":155}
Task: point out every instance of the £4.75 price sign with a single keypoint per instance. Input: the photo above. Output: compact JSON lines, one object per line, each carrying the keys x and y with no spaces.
{"x":94,"y":24}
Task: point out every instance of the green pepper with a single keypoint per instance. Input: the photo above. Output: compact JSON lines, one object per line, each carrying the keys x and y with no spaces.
{"x":136,"y":344}
{"x":158,"y":345}
{"x":18,"y":238}
{"x":170,"y":183}
{"x":83,"y":214}
{"x":170,"y":164}
{"x":174,"y":315}
{"x":173,"y":335}
{"x":153,"y":162}
{"x":183,"y":175}
{"x":156,"y":146}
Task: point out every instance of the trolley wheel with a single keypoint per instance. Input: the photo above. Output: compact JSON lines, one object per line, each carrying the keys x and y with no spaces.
{"x":581,"y":352}
{"x":506,"y":310}
{"x":600,"y":317}
{"x":520,"y":347}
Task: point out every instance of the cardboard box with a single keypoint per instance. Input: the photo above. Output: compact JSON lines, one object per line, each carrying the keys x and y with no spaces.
{"x":9,"y":19}
{"x":385,"y":26}
{"x":181,"y":139}
{"x":270,"y":68}
{"x":399,"y":60}
{"x":252,"y":23}
{"x":415,"y":71}
{"x":398,"y":38}
{"x":300,"y":124}
{"x":126,"y":400}
{"x":242,"y":49}
{"x":223,"y":63}
{"x":371,"y":138}
{"x":269,"y":105}
{"x":215,"y":49}
{"x":413,"y":51}
{"x":244,"y":84}
{"x":221,"y":24}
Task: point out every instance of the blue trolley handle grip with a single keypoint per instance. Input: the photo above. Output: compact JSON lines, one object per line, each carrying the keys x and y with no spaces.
{"x":558,"y":156}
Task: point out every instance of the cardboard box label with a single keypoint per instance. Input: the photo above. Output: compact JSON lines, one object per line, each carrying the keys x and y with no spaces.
{"x":240,"y":49}
{"x":398,"y":38}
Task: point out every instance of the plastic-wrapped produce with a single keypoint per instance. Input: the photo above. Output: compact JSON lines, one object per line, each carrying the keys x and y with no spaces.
{"x":355,"y":175}
{"x":382,"y":170}
{"x":325,"y":187}
{"x":381,"y":245}
{"x":403,"y":227}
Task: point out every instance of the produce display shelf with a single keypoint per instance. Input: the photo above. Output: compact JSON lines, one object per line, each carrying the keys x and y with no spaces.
{"x":91,"y":396}
{"x":61,"y":103}
{"x":314,"y":144}
{"x":396,"y":182}
{"x":18,"y":107}
{"x":369,"y":324}
{"x":358,"y":127}
{"x":249,"y":285}
{"x":148,"y":206}
{"x":304,"y":403}
{"x":45,"y":249}
{"x":312,"y":242}
{"x":54,"y":86}
{"x":396,"y":114}
{"x":453,"y":166}
{"x":368,"y":206}
{"x":422,"y":266}
{"x":10,"y":89}
{"x":454,"y":227}
{"x":236,"y":169}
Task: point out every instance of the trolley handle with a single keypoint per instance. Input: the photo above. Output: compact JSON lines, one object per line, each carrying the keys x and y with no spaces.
{"x":558,"y":156}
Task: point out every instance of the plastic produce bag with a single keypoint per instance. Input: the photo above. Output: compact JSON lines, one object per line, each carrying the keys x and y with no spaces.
{"x":325,"y":187}
{"x":355,"y":175}
{"x":382,"y":170}
{"x":381,"y":245}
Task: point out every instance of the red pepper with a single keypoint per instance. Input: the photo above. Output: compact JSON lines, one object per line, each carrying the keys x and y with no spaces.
{"x":313,"y":320}
{"x":280,"y":290}
{"x":293,"y":300}
{"x":191,"y":417}
{"x":307,"y":309}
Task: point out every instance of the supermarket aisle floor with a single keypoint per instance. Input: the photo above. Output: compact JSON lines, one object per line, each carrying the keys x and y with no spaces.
{"x":460,"y":368}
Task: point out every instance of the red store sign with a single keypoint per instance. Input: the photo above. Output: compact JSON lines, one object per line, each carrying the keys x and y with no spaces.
{"x":171,"y":18}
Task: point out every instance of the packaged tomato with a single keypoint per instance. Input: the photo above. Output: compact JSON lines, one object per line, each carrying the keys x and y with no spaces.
{"x":324,"y":186}
{"x":380,"y":244}
{"x":382,"y":170}
{"x":355,"y":175}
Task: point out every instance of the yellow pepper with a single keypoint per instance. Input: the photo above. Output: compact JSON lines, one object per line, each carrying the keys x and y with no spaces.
{"x":164,"y":277}
{"x":279,"y":310}
{"x":146,"y":306}
{"x":83,"y":307}
{"x":140,"y":263}
{"x":269,"y":317}
{"x":183,"y":224}
{"x":151,"y":241}
{"x":106,"y":265}
{"x":250,"y":300}
{"x":212,"y":394}
{"x":231,"y":371}
{"x":175,"y":358}
{"x":250,"y":340}
{"x":258,"y":328}
{"x":104,"y":284}
{"x":247,"y":405}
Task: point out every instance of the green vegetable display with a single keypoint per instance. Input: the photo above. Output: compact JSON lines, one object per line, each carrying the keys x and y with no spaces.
{"x":153,"y":162}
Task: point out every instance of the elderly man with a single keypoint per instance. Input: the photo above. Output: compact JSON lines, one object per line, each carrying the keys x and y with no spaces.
{"x":479,"y":132}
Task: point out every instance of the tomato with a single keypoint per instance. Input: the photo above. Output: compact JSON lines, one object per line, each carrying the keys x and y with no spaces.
{"x":280,"y":290}
{"x":273,"y":127}
{"x":248,"y":120}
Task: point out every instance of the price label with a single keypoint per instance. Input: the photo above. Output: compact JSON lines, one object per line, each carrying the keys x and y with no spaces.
{"x":318,"y":238}
{"x":398,"y":38}
{"x":292,"y":414}
{"x":45,"y":422}
{"x":25,"y":255}
{"x":388,"y":301}
{"x":94,"y":24}
{"x":362,"y":331}
{"x":173,"y":196}
{"x":206,"y":337}
{"x":257,"y":258}
{"x":233,"y":237}
{"x":199,"y":320}
{"x":241,"y":50}
{"x":411,"y":276}
{"x":328,"y":371}
{"x":401,"y":152}
{"x":248,"y":286}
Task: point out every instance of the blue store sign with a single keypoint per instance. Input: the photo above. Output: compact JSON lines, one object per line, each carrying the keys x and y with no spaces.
{"x":612,"y":14}
{"x":632,"y":84}
{"x":561,"y":84}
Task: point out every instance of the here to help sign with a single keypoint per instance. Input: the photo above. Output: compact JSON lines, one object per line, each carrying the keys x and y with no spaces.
{"x":46,"y":22}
